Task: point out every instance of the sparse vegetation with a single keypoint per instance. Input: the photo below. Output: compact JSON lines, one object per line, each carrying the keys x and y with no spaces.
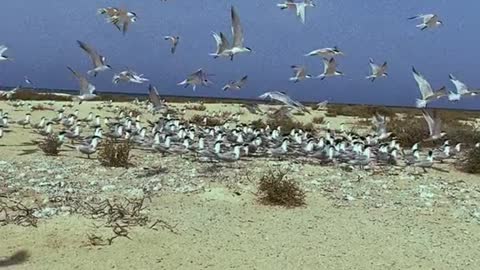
{"x":409,"y":130}
{"x":211,"y":121}
{"x":472,"y":162}
{"x":318,"y":120}
{"x":287,"y":124}
{"x":360,"y":111}
{"x":199,"y":107}
{"x":258,"y":124}
{"x":275,"y":189}
{"x":51,"y":145}
{"x":115,"y":154}
{"x":40,"y":107}
{"x":133,"y":111}
{"x":32,"y":95}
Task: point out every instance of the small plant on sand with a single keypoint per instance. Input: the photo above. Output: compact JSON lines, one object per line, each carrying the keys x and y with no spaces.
{"x":318,"y":120}
{"x":199,"y":107}
{"x":275,"y":189}
{"x":115,"y":154}
{"x":471,"y":164}
{"x":258,"y":124}
{"x":51,"y":145}
{"x":40,"y":107}
{"x":211,"y":121}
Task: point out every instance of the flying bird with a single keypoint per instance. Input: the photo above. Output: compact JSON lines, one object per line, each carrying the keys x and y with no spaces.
{"x":154,"y":97}
{"x":326,"y":52}
{"x":27,"y":80}
{"x":174,"y":40}
{"x":428,"y":21}
{"x":300,"y":73}
{"x":86,"y":88}
{"x":236,"y":85}
{"x":222,"y":45}
{"x":426,"y":90}
{"x":199,"y":77}
{"x":121,"y":18}
{"x":299,"y":7}
{"x":462,"y":90}
{"x":329,"y":69}
{"x":238,"y":39}
{"x":98,"y":60}
{"x":3,"y":57}
{"x":285,"y":99}
{"x":434,"y":125}
{"x":377,"y":71}
{"x":129,"y":76}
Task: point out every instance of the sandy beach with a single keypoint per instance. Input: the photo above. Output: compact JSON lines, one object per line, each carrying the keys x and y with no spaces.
{"x":206,"y":216}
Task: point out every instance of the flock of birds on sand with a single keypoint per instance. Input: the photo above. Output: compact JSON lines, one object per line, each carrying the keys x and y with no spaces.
{"x":232,"y":142}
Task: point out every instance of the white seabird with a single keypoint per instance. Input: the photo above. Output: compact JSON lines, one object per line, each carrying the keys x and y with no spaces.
{"x":426,"y":90}
{"x":98,"y":60}
{"x":377,"y":71}
{"x":329,"y":69}
{"x":129,"y":76}
{"x":462,"y":90}
{"x":3,"y":57}
{"x":199,"y":77}
{"x":299,"y":7}
{"x":174,"y":40}
{"x":236,"y":85}
{"x":300,"y":73}
{"x":326,"y":52}
{"x":428,"y":21}
{"x":434,"y":125}
{"x":86,"y":88}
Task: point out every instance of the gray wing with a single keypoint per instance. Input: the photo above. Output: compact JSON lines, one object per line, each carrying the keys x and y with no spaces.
{"x":437,"y":124}
{"x":330,"y":65}
{"x":224,"y":44}
{"x":153,"y":96}
{"x":428,"y":118}
{"x":237,"y":30}
{"x":423,"y":84}
{"x":96,"y":58}
{"x":242,"y":81}
{"x":85,"y":86}
{"x":460,"y":86}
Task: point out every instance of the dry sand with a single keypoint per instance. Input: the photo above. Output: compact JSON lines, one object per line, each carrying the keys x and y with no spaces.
{"x":352,"y":220}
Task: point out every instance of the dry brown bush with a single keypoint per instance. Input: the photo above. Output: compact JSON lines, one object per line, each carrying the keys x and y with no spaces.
{"x":51,"y":145}
{"x":471,"y":164}
{"x":318,"y":120}
{"x":275,"y":189}
{"x":115,"y":154}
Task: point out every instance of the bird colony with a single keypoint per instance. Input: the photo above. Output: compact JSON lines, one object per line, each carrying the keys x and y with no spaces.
{"x":168,"y":134}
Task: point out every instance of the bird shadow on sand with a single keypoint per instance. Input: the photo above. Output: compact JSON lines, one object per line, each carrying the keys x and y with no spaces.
{"x":18,"y":257}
